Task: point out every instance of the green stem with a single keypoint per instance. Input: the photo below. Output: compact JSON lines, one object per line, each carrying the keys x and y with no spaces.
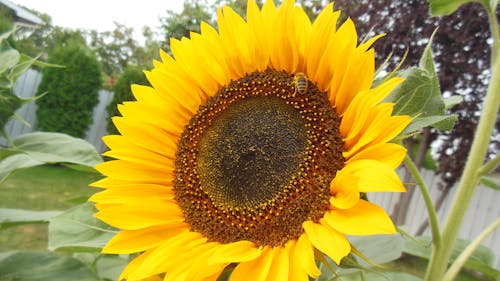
{"x":464,"y":256}
{"x":424,"y":190}
{"x":489,"y":166}
{"x":495,"y":34}
{"x":363,"y":276}
{"x":470,"y":176}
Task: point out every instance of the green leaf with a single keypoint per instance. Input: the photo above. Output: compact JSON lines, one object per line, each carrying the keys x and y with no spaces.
{"x":57,"y":148}
{"x":481,"y":260}
{"x":449,"y":102}
{"x":383,"y":276}
{"x":8,"y":105}
{"x":419,"y":96}
{"x":5,"y":83}
{"x":14,"y":162}
{"x":427,"y":61}
{"x":82,"y":168}
{"x":45,"y":64}
{"x":370,"y":247}
{"x":78,"y":230}
{"x":444,"y":122}
{"x":6,"y":35}
{"x":111,"y":266}
{"x":447,"y":7}
{"x":25,"y":62}
{"x":108,"y":267}
{"x":8,"y":59}
{"x":13,"y":217}
{"x":490,"y":181}
{"x":6,"y":152}
{"x":3,"y":255}
{"x":40,"y":266}
{"x":447,"y":123}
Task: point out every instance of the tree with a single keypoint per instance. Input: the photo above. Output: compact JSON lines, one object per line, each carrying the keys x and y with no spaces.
{"x":175,"y":25}
{"x":47,"y":38}
{"x":115,"y":48}
{"x":72,"y":91}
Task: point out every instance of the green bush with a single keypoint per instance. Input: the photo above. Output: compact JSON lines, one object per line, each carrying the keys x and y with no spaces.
{"x":122,"y":92}
{"x":72,"y":91}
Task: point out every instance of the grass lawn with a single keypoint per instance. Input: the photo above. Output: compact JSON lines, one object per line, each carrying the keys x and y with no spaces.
{"x":48,"y":187}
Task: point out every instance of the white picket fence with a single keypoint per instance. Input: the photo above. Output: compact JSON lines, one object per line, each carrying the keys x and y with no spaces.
{"x":483,"y":210}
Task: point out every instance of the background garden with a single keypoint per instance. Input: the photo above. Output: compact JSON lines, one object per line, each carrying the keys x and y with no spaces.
{"x":90,"y":73}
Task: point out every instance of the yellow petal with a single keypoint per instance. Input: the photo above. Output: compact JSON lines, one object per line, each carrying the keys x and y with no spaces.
{"x":212,"y":39}
{"x":364,"y":218}
{"x":372,"y":120}
{"x":363,"y":121}
{"x":304,"y":253}
{"x":255,"y":270}
{"x":344,"y":189}
{"x":192,"y":264}
{"x":145,"y":135}
{"x":140,"y":214}
{"x":366,"y":45}
{"x":131,"y":193}
{"x":237,"y":45}
{"x":389,"y":153}
{"x":327,"y":240}
{"x":240,"y":251}
{"x":133,"y":266}
{"x":169,"y":83}
{"x":280,"y":265}
{"x":353,"y":81}
{"x":382,"y":128}
{"x":188,"y":53}
{"x":217,"y":70}
{"x":159,"y":103}
{"x":375,"y":176}
{"x":141,"y":156}
{"x":282,"y":54}
{"x":161,"y":259}
{"x":214,"y":277}
{"x":110,"y":183}
{"x":296,"y":271}
{"x":260,"y":31}
{"x":133,"y":172}
{"x":322,"y":31}
{"x":124,"y":146}
{"x":133,"y":241}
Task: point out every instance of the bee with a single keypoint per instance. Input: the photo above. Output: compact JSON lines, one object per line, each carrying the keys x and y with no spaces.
{"x":300,"y":82}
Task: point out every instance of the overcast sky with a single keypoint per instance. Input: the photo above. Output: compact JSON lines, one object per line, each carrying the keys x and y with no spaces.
{"x":100,"y":14}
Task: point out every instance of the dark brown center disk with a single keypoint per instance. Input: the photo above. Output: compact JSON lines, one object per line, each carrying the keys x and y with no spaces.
{"x":257,"y":159}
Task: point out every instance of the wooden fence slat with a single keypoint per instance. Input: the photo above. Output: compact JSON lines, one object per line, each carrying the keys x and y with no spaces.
{"x":99,"y":121}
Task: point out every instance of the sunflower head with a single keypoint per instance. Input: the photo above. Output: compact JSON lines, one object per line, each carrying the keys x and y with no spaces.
{"x":252,"y":148}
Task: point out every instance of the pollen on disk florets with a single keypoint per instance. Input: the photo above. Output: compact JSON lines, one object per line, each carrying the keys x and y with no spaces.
{"x":257,"y":159}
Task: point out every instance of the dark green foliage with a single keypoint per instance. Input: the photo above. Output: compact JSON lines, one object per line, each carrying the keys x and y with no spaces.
{"x":72,"y":92}
{"x":131,"y":75}
{"x":5,"y":19}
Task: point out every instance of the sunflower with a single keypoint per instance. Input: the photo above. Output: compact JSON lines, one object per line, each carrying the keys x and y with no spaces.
{"x":250,"y":150}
